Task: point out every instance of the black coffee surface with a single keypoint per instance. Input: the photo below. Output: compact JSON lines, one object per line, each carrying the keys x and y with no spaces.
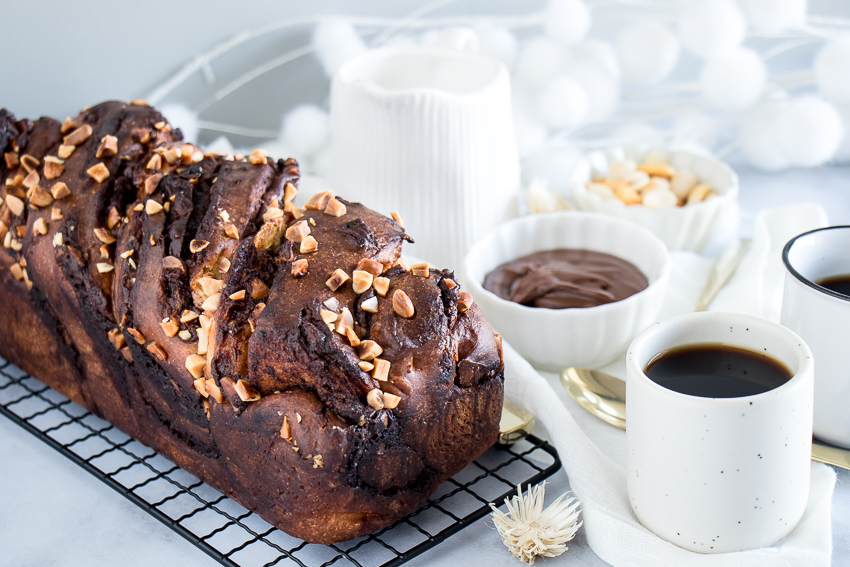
{"x":838,"y":284}
{"x":716,"y":371}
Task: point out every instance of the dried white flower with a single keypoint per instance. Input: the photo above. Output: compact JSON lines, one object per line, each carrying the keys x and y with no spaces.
{"x":542,"y":200}
{"x":528,"y":530}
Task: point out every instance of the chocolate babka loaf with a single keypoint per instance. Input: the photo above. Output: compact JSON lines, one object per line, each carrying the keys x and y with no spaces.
{"x":288,"y":356}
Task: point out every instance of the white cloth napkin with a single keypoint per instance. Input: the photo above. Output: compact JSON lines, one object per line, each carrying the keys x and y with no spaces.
{"x":612,"y":529}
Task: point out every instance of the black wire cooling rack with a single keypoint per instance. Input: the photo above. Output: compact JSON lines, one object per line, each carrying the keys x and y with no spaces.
{"x":229,"y":532}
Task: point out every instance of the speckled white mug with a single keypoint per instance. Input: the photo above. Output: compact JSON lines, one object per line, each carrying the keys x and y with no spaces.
{"x":715,"y":475}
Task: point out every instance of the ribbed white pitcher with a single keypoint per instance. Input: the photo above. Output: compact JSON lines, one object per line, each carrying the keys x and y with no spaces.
{"x":427,"y":132}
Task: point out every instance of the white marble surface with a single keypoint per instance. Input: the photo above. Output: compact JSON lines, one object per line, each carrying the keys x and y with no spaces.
{"x":52,"y":512}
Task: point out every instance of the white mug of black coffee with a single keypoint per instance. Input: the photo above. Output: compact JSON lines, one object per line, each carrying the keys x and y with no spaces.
{"x":719,"y":430}
{"x":816,"y":306}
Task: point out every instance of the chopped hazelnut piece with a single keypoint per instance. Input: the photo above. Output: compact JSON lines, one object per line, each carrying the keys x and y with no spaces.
{"x":335,"y":208}
{"x":451,"y":284}
{"x":285,"y":430}
{"x":171,"y":155}
{"x":104,"y":252}
{"x":155,"y":163}
{"x":104,"y":235}
{"x":210,"y":285}
{"x":375,"y":399}
{"x":197,"y":245}
{"x":137,"y":335}
{"x":259,"y":289}
{"x":58,"y":239}
{"x":318,"y":462}
{"x":160,"y":125}
{"x":344,"y":321}
{"x":308,"y":245}
{"x":213,"y":390}
{"x":188,"y":315}
{"x":186,"y":152}
{"x":370,"y":305}
{"x":139,"y":102}
{"x":464,"y":301}
{"x":293,"y":210}
{"x":53,"y":167}
{"x":78,"y":136}
{"x":65,"y":151}
{"x":158,"y":351}
{"x":185,"y":335}
{"x":238,"y":296}
{"x":397,"y":218}
{"x":299,"y":268}
{"x":231,"y":231}
{"x":328,"y":316}
{"x":127,"y":253}
{"x":365,"y":366}
{"x":132,"y":265}
{"x":152,"y":207}
{"x":289,"y":192}
{"x":258,"y":157}
{"x":298,"y":231}
{"x":151,"y":183}
{"x":139,"y":207}
{"x":223,"y":265}
{"x":116,"y":338}
{"x":319,"y":201}
{"x":203,"y":340}
{"x":98,"y":172}
{"x":170,"y":327}
{"x":211,"y":303}
{"x":201,"y":386}
{"x":40,"y":197}
{"x":402,"y":263}
{"x":402,"y":304}
{"x":369,"y":350}
{"x":108,"y":147}
{"x":391,"y":400}
{"x":246,"y":392}
{"x":172,"y":263}
{"x":32,"y":179}
{"x":12,"y":160}
{"x":420,"y":270}
{"x":59,"y":190}
{"x":331,"y":303}
{"x":372,"y":266}
{"x":29,"y":163}
{"x":104,"y":267}
{"x":197,"y":156}
{"x":361,"y":281}
{"x":381,"y":285}
{"x":338,"y":278}
{"x":39,"y":227}
{"x":195,"y":364}
{"x":67,"y":125}
{"x":382,"y":369}
{"x":353,"y":339}
{"x":269,"y":234}
{"x":17,"y":271}
{"x":272,"y":213}
{"x":56,"y":214}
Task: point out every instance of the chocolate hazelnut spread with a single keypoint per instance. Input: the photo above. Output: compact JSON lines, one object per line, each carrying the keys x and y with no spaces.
{"x":566,"y":277}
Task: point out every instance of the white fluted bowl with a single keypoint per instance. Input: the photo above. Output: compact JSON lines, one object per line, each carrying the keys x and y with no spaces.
{"x":556,"y":338}
{"x":681,"y":228}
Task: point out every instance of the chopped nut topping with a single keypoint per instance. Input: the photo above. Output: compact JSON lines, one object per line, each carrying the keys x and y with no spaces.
{"x":170,"y":327}
{"x":29,"y":162}
{"x":289,"y":192}
{"x":238,"y":296}
{"x":39,"y":226}
{"x":293,"y":210}
{"x":139,"y":207}
{"x":382,"y":369}
{"x":32,"y":179}
{"x":186,"y":152}
{"x":319,"y":201}
{"x":195,"y":364}
{"x":361,"y":281}
{"x":139,"y":102}
{"x":108,"y":147}
{"x":381,"y":285}
{"x":344,"y":321}
{"x":259,"y":289}
{"x":328,"y":316}
{"x":56,"y":214}
{"x":78,"y":136}
{"x":318,"y":462}
{"x":258,"y":157}
{"x":390,"y":400}
{"x":203,"y":339}
{"x":213,"y":390}
{"x":152,"y":207}
{"x":158,"y":351}
{"x":65,"y":151}
{"x":365,"y":366}
{"x":225,"y":216}
{"x":132,"y":265}
{"x":17,"y":271}
{"x":171,"y":155}
{"x":451,"y":284}
{"x":59,"y":190}
{"x":40,"y":197}
{"x":210,"y":285}
{"x":68,"y":125}
{"x":308,"y":245}
{"x":211,"y":303}
{"x":137,"y":335}
{"x":127,"y":253}
{"x":397,"y":218}
{"x":298,"y":231}
{"x":104,"y":268}
{"x":58,"y":239}
{"x":104,"y":252}
{"x":152,"y":182}
{"x":332,"y":303}
{"x":172,"y":263}
{"x":53,"y":167}
{"x":197,"y":245}
{"x":338,"y":278}
{"x":104,"y":235}
{"x":188,"y":315}
{"x":375,"y":399}
{"x":401,"y":262}
{"x":185,"y":335}
{"x":197,"y":156}
{"x":21,"y":229}
{"x":335,"y":208}
{"x":224,"y":265}
{"x":128,"y":356}
{"x":372,"y":266}
{"x":152,"y":241}
{"x":116,"y":338}
{"x":160,"y":125}
{"x":246,"y":392}
{"x":464,"y":301}
{"x":98,"y":172}
{"x":402,"y":304}
{"x":285,"y":430}
{"x":369,"y":350}
{"x":353,"y":339}
{"x":231,"y":231}
{"x":201,"y":386}
{"x":272,"y":213}
{"x":155,"y":163}
{"x":420,"y":270}
{"x":370,"y":305}
{"x":299,"y":268}
{"x":269,"y":234}
{"x":12,"y":160}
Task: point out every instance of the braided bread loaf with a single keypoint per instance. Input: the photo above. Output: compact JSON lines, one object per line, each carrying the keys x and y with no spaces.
{"x":288,"y":357}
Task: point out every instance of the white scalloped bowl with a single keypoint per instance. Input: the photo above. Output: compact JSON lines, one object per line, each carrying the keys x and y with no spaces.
{"x":681,"y":228}
{"x":553,"y":339}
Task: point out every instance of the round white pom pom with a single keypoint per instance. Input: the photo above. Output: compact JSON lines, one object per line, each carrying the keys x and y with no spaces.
{"x":809,"y":131}
{"x":562,"y":104}
{"x":530,"y":132}
{"x":540,"y":60}
{"x":647,"y":52}
{"x":734,"y":79}
{"x":179,"y":116}
{"x":770,"y":17}
{"x":566,"y":21}
{"x":710,"y":27}
{"x":599,"y":53}
{"x":832,"y":70}
{"x":497,"y":42}
{"x":599,"y":85}
{"x":305,"y":130}
{"x":336,"y":41}
{"x":696,"y":130}
{"x":758,"y":137}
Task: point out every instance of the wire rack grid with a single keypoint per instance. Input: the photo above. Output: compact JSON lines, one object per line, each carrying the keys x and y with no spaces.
{"x":232,"y":534}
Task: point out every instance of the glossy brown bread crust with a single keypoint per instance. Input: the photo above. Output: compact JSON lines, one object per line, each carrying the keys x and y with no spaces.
{"x":160,"y":289}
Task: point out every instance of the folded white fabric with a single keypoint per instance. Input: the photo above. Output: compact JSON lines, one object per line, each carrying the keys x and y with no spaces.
{"x":612,"y":529}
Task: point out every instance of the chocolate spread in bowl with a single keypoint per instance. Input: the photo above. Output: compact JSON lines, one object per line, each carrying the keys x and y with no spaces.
{"x":566,"y":277}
